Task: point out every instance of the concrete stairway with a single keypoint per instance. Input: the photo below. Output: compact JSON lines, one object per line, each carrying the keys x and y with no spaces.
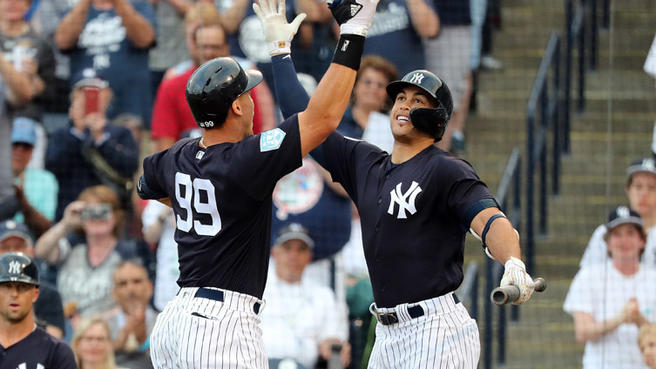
{"x":615,"y":129}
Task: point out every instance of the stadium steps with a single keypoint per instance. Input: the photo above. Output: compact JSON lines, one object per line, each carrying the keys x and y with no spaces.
{"x":604,"y":140}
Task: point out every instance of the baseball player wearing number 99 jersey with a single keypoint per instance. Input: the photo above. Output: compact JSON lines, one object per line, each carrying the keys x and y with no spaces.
{"x":220,"y":189}
{"x":415,"y":207}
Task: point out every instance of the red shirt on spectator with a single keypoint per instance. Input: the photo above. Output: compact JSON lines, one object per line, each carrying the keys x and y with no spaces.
{"x":171,"y":114}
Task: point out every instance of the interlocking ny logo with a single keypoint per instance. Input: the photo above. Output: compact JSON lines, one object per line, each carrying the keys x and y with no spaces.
{"x":417,"y":78}
{"x":14,"y":267}
{"x":405,"y":200}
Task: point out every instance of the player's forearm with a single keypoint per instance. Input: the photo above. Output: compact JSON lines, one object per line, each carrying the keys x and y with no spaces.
{"x":328,"y":103}
{"x":501,"y":238}
{"x":289,"y":91}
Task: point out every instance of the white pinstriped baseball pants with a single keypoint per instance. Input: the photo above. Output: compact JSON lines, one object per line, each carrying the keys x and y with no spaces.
{"x":197,"y":332}
{"x":444,"y":337}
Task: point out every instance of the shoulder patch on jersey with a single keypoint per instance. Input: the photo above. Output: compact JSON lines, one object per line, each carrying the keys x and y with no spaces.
{"x":271,"y":139}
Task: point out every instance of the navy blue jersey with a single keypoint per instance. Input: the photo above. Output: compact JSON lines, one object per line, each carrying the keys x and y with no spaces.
{"x":414,"y":215}
{"x":38,"y":350}
{"x":221,"y":197}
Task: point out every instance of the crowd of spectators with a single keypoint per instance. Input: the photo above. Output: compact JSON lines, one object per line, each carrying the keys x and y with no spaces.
{"x":88,"y":87}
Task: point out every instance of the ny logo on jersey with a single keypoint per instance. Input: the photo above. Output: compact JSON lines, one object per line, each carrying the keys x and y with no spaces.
{"x":24,"y":366}
{"x":417,"y":78}
{"x":405,"y":200}
{"x":14,"y":267}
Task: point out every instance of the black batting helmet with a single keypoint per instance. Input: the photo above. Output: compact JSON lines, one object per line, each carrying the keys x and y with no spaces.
{"x":213,"y":87}
{"x":430,"y":120}
{"x":18,"y":267}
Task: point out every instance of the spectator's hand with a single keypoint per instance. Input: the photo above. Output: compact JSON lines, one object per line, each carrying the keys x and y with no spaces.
{"x":353,"y":22}
{"x":277,"y":32}
{"x":631,"y":312}
{"x":30,"y":66}
{"x":96,"y":123}
{"x":325,"y":350}
{"x":72,"y":214}
{"x":515,"y":275}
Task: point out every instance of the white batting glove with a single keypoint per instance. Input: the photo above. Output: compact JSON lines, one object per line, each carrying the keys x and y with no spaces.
{"x":515,"y":274}
{"x":277,"y":32}
{"x":353,"y":16}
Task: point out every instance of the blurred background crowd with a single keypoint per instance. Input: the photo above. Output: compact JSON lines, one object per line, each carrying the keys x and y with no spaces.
{"x":90,"y":87}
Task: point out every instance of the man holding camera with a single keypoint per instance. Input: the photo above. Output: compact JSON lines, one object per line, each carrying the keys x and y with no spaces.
{"x":90,"y":151}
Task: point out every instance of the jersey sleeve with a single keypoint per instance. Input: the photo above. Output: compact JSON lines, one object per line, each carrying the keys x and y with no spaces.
{"x":466,"y":190}
{"x":152,"y":172}
{"x":259,"y":161}
{"x":340,"y":156}
{"x":63,"y":357}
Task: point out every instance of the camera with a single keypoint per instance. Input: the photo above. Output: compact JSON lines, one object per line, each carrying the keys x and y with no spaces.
{"x":96,"y":212}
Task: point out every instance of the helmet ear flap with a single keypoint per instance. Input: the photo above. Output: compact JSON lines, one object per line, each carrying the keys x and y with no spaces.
{"x":431,"y":121}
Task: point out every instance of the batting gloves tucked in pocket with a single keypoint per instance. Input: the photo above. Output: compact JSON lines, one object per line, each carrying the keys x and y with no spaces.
{"x":353,"y":16}
{"x":515,"y":274}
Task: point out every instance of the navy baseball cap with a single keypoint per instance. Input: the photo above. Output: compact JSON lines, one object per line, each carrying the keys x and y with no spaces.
{"x":23,"y":131}
{"x":89,"y":78}
{"x":294,"y":231}
{"x":645,"y":165}
{"x":623,"y":215}
{"x":10,"y":228}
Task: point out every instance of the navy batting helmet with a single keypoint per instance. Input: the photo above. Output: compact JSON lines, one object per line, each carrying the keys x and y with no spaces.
{"x":18,"y":267}
{"x":430,"y":120}
{"x":213,"y":87}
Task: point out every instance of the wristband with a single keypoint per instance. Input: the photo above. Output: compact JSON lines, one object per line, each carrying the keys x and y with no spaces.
{"x":349,"y":51}
{"x":280,"y":47}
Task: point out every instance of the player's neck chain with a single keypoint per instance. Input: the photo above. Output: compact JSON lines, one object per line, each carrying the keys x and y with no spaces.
{"x":201,"y":143}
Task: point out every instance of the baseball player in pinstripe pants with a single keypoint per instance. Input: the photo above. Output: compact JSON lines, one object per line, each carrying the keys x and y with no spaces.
{"x":415,"y":207}
{"x":220,"y":187}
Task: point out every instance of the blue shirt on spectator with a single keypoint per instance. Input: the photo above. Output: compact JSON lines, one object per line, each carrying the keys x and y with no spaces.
{"x":103,"y":45}
{"x":392,"y":36}
{"x":67,"y":158}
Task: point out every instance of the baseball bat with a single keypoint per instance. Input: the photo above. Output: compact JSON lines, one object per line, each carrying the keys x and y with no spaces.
{"x":505,"y":294}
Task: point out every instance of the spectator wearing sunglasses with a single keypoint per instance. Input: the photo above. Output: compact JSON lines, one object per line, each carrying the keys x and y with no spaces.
{"x":85,"y":245}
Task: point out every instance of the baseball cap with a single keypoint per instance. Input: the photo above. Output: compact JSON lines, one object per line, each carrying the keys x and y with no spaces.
{"x":24,"y":131}
{"x":623,"y":215}
{"x":294,"y":231}
{"x":10,"y":228}
{"x":645,"y":165}
{"x":89,"y":78}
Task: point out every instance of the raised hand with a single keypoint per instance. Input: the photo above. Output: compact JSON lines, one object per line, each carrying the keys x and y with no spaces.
{"x":353,"y":16}
{"x":277,"y":32}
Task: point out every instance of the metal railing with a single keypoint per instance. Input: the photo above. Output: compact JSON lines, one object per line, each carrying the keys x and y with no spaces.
{"x":542,"y":117}
{"x":509,"y":197}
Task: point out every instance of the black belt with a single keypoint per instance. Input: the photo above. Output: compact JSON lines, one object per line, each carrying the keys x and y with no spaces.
{"x":414,"y":312}
{"x":217,"y":295}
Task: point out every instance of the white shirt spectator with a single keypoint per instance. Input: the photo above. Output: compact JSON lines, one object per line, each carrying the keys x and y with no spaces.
{"x":597,"y":251}
{"x":602,"y":291}
{"x":168,"y":269}
{"x":297,"y":317}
